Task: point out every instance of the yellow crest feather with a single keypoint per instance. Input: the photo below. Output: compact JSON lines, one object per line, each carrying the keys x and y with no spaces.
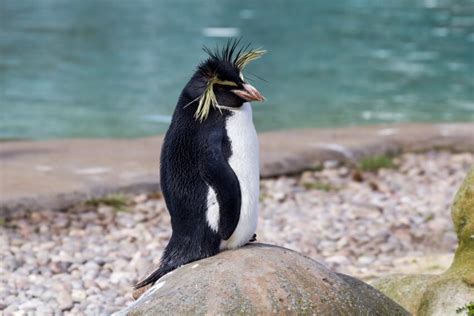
{"x":208,"y":99}
{"x":247,"y":57}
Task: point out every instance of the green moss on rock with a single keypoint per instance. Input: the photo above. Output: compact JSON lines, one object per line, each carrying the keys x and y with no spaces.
{"x":442,"y":294}
{"x":463,"y":219}
{"x":375,"y":163}
{"x":468,"y":308}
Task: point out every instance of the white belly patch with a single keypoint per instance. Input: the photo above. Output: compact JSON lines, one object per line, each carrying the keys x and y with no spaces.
{"x":245,"y":163}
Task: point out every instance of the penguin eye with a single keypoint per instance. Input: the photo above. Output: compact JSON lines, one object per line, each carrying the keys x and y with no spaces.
{"x":226,"y":83}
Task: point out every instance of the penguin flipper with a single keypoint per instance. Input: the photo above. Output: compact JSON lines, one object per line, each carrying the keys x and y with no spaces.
{"x":216,"y":172}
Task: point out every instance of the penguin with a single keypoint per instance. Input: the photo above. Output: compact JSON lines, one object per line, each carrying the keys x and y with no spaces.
{"x":209,"y":168}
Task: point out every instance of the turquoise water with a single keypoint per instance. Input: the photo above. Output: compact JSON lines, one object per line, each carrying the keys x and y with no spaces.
{"x":89,"y":68}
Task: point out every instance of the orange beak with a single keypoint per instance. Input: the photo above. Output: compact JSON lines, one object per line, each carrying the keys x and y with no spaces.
{"x":249,"y":93}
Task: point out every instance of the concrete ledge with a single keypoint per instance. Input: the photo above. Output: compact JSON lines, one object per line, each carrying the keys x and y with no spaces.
{"x":58,"y":173}
{"x":293,"y":151}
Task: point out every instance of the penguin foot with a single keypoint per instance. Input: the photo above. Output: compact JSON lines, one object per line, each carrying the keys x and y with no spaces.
{"x":138,"y":292}
{"x":254,"y":238}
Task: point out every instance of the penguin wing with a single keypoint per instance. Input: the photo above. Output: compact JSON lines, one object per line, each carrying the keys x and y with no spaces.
{"x":216,"y":172}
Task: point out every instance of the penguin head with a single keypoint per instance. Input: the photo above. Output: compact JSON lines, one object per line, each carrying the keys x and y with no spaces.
{"x":219,"y":82}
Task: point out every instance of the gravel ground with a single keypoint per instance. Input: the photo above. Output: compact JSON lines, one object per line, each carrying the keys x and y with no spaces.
{"x":84,"y":261}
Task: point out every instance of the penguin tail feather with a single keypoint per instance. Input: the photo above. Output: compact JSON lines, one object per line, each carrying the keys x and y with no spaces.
{"x":153,"y":277}
{"x":176,"y":254}
{"x":173,"y":257}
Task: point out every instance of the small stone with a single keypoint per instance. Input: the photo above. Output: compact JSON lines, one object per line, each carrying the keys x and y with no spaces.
{"x":35,"y":216}
{"x":11,"y":310}
{"x":307,"y":176}
{"x":59,"y":266}
{"x":343,"y":171}
{"x":11,"y":263}
{"x":365,"y":260}
{"x":357,"y":176}
{"x":279,"y":196}
{"x":30,"y":305}
{"x":118,"y":277}
{"x":141,"y":198}
{"x":139,"y":217}
{"x":125,"y":220}
{"x":78,"y":295}
{"x":103,"y":283}
{"x":337,"y":259}
{"x":64,"y":300}
{"x":88,"y":284}
{"x":331,"y":164}
{"x":61,"y":222}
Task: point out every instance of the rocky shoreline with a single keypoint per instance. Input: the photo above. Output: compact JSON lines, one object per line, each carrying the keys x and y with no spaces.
{"x":364,"y":223}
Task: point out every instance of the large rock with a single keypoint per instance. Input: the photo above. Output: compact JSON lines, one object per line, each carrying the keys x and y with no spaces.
{"x":445,"y":293}
{"x":260,"y":279}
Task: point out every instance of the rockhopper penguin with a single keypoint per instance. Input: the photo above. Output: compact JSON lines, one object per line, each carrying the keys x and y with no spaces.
{"x":210,"y":162}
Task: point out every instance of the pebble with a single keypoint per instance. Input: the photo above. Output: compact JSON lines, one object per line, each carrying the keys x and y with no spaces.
{"x":64,"y":300}
{"x":331,"y":164}
{"x":78,"y":295}
{"x":86,"y":260}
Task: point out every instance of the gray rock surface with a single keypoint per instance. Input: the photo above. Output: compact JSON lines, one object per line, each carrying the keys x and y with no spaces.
{"x":260,"y":279}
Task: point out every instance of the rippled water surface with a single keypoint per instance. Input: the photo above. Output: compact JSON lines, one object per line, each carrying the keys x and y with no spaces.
{"x":90,"y":68}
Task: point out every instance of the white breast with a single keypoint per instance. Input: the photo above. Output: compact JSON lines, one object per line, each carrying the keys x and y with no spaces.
{"x":245,"y":163}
